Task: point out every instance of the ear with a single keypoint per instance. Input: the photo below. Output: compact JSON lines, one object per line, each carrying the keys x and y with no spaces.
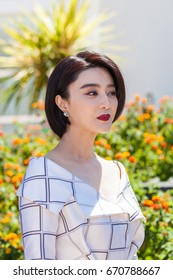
{"x":61,"y":103}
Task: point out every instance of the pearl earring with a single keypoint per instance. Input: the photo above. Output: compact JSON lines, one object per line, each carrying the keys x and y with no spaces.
{"x":66,"y":114}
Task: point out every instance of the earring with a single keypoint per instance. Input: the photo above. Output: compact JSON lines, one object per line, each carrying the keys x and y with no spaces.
{"x":66,"y":114}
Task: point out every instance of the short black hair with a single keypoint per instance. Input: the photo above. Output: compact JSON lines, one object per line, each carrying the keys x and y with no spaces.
{"x":65,"y":73}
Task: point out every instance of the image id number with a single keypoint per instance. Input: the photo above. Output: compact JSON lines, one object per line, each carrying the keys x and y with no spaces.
{"x":132,"y":270}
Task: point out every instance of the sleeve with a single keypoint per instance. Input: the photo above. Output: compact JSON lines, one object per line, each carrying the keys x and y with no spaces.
{"x":41,"y":198}
{"x":136,"y":240}
{"x":39,"y":227}
{"x":127,"y":197}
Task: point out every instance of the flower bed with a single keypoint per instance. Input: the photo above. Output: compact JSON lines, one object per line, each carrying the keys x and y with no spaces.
{"x":142,"y":139}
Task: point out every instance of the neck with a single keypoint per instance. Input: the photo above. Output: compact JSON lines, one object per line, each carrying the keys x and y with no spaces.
{"x":77,"y":146}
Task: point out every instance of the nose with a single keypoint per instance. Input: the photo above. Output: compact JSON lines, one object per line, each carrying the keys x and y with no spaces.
{"x":104,"y":102}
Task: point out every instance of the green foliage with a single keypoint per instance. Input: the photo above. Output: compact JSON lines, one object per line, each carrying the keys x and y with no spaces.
{"x":159,"y":227}
{"x":141,"y":140}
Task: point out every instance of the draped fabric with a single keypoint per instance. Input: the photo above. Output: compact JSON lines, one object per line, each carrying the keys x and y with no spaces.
{"x":63,"y":217}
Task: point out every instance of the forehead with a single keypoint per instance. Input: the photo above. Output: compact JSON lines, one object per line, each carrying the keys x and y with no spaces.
{"x":95,"y":75}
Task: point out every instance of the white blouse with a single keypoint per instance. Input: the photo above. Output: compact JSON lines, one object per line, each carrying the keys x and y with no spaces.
{"x":62,"y":217}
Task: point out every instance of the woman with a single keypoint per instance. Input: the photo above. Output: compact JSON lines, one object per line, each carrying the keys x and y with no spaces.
{"x":74,"y":204}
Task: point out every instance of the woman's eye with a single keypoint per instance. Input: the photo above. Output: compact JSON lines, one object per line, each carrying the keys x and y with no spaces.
{"x":92,"y":93}
{"x":113,"y":93}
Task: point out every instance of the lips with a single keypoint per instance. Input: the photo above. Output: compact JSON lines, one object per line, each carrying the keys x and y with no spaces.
{"x":105,"y":117}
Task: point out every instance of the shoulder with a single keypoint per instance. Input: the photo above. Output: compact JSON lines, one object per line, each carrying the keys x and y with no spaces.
{"x":113,"y":166}
{"x":44,"y":185}
{"x":36,"y":167}
{"x":34,"y":179}
{"x":121,"y":167}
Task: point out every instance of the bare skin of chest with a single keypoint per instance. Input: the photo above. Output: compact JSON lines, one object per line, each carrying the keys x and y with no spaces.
{"x":102,"y":175}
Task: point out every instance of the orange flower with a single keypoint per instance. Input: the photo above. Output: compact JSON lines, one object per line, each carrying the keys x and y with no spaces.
{"x":154,"y":147}
{"x":9,"y":173}
{"x":40,"y":104}
{"x":26,"y":161}
{"x":141,"y":118}
{"x":155,"y":206}
{"x":1,"y":134}
{"x":164,"y":99}
{"x":165,"y":205}
{"x":144,"y":117}
{"x":159,"y":151}
{"x":144,"y":100}
{"x":20,"y":248}
{"x":148,"y":203}
{"x":108,"y":158}
{"x":26,"y":140}
{"x":17,"y":178}
{"x":146,"y":134}
{"x":150,"y":108}
{"x":98,"y":142}
{"x":38,"y":154}
{"x":101,"y":142}
{"x":40,"y":141}
{"x":168,"y":120}
{"x":5,"y":220}
{"x":125,"y":154}
{"x":11,"y":236}
{"x":8,"y":251}
{"x":132,"y":159}
{"x":137,"y":97}
{"x":122,"y":118}
{"x":16,"y":166}
{"x":108,"y":147}
{"x":160,"y":138}
{"x":156,"y":198}
{"x":150,"y":138}
{"x":34,"y":105}
{"x":131,"y":104}
{"x":1,"y":181}
{"x":164,"y":144}
{"x":17,"y":141}
{"x":10,"y":214}
{"x":7,"y":165}
{"x":118,"y":156}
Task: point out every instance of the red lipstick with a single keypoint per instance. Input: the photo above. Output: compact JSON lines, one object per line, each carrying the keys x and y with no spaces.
{"x":105,"y":117}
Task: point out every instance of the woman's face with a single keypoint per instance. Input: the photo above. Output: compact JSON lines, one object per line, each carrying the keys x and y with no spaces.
{"x":92,"y":104}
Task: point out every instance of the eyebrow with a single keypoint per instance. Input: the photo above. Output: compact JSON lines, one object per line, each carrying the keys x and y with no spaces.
{"x":95,"y":85}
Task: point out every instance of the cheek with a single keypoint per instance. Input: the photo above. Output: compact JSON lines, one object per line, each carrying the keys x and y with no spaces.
{"x":78,"y":112}
{"x":115,"y":104}
{"x":80,"y":106}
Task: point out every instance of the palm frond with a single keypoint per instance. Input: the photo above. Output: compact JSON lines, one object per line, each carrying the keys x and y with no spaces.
{"x":37,"y":41}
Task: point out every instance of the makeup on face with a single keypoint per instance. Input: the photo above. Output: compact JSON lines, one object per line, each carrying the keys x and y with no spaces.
{"x":104,"y":117}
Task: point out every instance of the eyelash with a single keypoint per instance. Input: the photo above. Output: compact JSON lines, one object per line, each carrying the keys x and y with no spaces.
{"x":114,"y":93}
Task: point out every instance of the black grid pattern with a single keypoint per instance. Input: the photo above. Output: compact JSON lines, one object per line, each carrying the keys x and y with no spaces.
{"x":62,"y":217}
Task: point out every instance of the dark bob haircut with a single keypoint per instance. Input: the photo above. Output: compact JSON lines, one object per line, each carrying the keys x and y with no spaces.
{"x":65,"y":73}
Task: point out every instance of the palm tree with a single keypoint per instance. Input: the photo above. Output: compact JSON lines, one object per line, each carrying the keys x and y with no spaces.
{"x":37,"y":42}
